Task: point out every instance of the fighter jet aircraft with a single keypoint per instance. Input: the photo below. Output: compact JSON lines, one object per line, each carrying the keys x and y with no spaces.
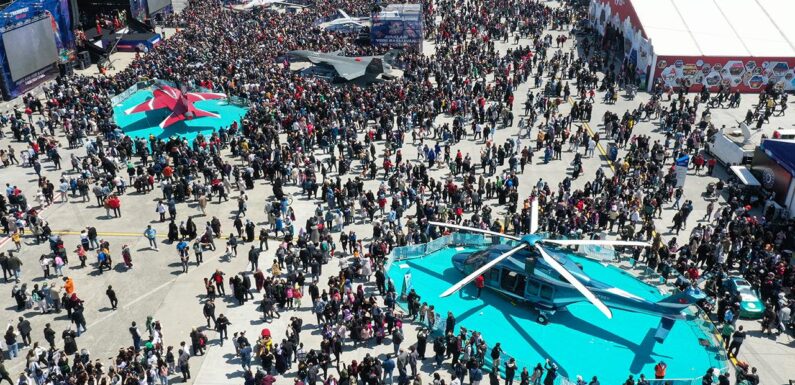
{"x":364,"y":69}
{"x":344,"y":23}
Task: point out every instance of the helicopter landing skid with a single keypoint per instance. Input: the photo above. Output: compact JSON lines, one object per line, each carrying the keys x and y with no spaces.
{"x":544,"y":316}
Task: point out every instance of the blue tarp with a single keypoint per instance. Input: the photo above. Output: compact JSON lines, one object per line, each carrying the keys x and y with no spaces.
{"x":781,"y":151}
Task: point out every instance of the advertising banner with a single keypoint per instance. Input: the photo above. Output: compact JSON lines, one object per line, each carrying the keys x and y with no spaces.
{"x":396,"y":33}
{"x":743,"y":74}
{"x":681,"y":170}
{"x":398,"y":25}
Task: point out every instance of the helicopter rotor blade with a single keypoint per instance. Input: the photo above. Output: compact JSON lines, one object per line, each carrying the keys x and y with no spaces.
{"x":534,"y":216}
{"x":568,"y":276}
{"x":600,"y":242}
{"x":475,"y":230}
{"x":481,"y":270}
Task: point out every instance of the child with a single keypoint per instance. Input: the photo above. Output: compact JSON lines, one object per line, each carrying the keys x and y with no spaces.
{"x":81,"y":255}
{"x":423,"y":310}
{"x":17,"y":239}
{"x":237,"y":345}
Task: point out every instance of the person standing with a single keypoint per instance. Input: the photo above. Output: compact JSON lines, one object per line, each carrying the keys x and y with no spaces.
{"x":388,"y":368}
{"x":397,"y":339}
{"x":184,"y":364}
{"x":659,"y":370}
{"x":480,"y":281}
{"x":202,"y":203}
{"x":136,"y":336}
{"x":197,"y":250}
{"x":209,"y":311}
{"x":449,"y":327}
{"x":151,"y":236}
{"x":253,"y":258}
{"x":510,"y":371}
{"x":126,"y":255}
{"x":24,"y":330}
{"x":496,"y":353}
{"x":112,"y":297}
{"x":218,"y":279}
{"x":183,"y":257}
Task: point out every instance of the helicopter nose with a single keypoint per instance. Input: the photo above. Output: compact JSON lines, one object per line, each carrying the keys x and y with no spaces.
{"x":459,"y":259}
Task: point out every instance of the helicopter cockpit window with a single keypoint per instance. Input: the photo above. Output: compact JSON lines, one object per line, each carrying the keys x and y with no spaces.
{"x":476,"y":259}
{"x":547,"y":291}
{"x":532,"y":287}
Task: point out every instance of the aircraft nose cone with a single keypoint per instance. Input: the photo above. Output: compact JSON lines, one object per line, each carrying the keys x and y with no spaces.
{"x":459,"y":259}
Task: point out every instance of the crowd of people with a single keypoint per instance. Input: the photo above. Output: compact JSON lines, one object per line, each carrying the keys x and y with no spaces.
{"x":339,"y":140}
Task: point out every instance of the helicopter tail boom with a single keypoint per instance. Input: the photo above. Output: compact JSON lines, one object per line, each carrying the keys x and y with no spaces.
{"x":682,"y":299}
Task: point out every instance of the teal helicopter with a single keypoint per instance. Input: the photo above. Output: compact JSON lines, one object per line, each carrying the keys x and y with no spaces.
{"x":549,"y":282}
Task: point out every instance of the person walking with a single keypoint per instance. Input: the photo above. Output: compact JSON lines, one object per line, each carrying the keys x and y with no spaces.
{"x":112,"y":297}
{"x":151,"y":236}
{"x":11,"y":342}
{"x":15,"y":265}
{"x":263,"y":239}
{"x":4,"y":374}
{"x":49,"y":335}
{"x":221,"y":326}
{"x":737,"y":340}
{"x":726,"y":333}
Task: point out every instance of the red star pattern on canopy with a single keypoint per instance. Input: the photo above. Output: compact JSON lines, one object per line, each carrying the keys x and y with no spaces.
{"x":181,"y":105}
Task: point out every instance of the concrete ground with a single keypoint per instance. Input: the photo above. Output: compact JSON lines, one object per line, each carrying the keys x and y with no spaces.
{"x":156,"y":287}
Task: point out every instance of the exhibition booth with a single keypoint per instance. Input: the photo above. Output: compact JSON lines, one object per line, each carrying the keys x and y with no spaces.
{"x":744,"y":45}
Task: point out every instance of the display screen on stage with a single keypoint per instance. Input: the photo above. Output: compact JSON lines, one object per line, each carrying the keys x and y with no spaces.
{"x":157,"y":5}
{"x":30,"y":48}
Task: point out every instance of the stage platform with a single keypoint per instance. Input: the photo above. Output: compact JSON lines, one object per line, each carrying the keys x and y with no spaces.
{"x":141,"y":41}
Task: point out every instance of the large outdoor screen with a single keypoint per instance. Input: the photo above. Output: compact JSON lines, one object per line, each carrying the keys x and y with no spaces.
{"x":30,"y":48}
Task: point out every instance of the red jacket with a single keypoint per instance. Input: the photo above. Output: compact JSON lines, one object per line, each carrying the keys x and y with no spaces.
{"x":480,"y":282}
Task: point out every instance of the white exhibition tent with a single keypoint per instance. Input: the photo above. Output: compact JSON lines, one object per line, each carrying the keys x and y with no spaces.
{"x":724,"y":28}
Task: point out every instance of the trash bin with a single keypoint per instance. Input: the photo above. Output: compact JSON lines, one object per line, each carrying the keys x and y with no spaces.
{"x":612,"y":152}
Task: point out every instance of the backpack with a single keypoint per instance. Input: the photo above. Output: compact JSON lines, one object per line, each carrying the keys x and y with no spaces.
{"x":398,"y":337}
